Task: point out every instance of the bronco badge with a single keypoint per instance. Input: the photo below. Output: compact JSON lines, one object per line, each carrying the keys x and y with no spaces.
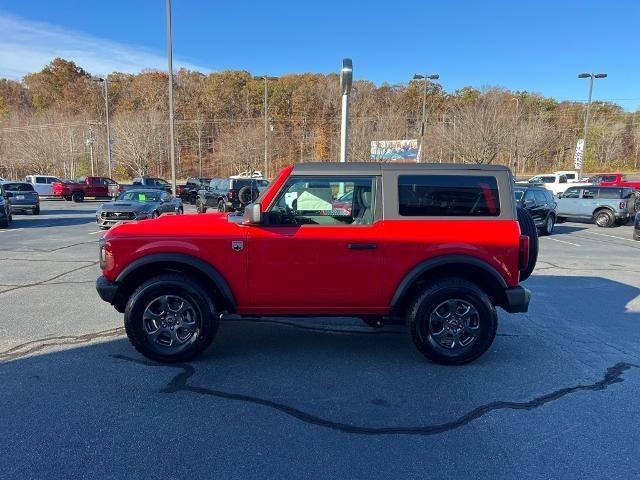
{"x":237,"y":245}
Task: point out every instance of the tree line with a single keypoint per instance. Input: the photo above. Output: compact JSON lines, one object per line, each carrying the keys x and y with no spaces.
{"x":52,"y":120}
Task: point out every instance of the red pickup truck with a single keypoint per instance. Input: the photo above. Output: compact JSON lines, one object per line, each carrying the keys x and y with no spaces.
{"x":615,"y":180}
{"x":96,"y":187}
{"x":437,"y":247}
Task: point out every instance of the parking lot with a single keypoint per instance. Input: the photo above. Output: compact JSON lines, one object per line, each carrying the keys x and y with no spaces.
{"x":555,"y":397}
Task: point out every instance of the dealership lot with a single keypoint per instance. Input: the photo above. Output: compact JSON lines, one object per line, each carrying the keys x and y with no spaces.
{"x":556,"y":396}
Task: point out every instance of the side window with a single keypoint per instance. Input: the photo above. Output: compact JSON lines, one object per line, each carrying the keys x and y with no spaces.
{"x":529,"y":196}
{"x":562,"y":179}
{"x":571,"y":193}
{"x":570,"y":176}
{"x":448,"y":196}
{"x":589,"y":193}
{"x":540,"y":197}
{"x":41,"y":180}
{"x":609,"y":193}
{"x":609,"y":178}
{"x":96,"y":181}
{"x":322,"y":201}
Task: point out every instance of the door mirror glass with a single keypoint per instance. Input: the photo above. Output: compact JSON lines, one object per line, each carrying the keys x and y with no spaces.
{"x":252,"y":214}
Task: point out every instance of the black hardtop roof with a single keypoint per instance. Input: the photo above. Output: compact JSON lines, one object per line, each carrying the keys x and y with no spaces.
{"x":376,"y":168}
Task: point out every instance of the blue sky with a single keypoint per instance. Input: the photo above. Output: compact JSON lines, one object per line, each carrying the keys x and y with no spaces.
{"x":537,"y":46}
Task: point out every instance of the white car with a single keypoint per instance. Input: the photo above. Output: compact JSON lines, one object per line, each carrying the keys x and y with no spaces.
{"x":42,"y":183}
{"x":555,"y":182}
{"x":572,"y":175}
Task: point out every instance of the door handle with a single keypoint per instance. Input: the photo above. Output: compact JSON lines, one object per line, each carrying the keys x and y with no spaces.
{"x":362,"y":246}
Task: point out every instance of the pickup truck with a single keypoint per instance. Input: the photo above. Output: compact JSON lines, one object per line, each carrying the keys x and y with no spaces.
{"x":615,"y":180}
{"x":96,"y":187}
{"x":555,"y":182}
{"x":141,"y":182}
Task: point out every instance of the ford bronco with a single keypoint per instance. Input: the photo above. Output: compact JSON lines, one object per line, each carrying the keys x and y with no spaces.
{"x":435,"y":246}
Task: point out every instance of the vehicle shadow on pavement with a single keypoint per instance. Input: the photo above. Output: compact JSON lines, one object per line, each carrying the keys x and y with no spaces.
{"x":565,"y":229}
{"x":35,"y":221}
{"x":83,"y":211}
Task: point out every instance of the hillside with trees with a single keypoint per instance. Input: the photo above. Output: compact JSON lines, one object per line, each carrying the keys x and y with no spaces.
{"x":46,"y":119}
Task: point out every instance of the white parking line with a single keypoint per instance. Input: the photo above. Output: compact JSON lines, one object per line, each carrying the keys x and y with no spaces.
{"x":612,"y":236}
{"x":562,"y":241}
{"x":11,"y":230}
{"x":93,"y":233}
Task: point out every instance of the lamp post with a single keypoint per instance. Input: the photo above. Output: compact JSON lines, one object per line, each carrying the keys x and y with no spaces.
{"x":172,"y":147}
{"x":266,"y":121}
{"x":590,"y":76}
{"x":106,"y":110}
{"x":418,"y":76}
{"x":346,"y":79}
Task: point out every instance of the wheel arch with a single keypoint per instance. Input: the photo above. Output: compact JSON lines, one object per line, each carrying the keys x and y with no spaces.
{"x":148,"y":266}
{"x":466,"y":267}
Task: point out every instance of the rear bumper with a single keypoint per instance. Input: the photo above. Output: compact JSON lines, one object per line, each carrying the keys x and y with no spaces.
{"x":23,"y":206}
{"x":516,"y":299}
{"x":106,"y":289}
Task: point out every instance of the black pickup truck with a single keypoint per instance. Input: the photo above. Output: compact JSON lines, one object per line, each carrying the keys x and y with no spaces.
{"x":140,"y":182}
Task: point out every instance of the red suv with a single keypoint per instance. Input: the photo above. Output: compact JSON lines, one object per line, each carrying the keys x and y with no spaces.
{"x":434,"y":246}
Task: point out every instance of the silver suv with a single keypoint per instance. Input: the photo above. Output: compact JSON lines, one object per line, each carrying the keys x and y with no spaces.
{"x":607,"y":206}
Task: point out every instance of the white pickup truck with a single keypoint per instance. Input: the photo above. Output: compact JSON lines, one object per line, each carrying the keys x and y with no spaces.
{"x":556,"y":182}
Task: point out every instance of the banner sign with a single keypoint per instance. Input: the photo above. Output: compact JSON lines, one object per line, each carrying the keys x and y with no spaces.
{"x":577,"y":158}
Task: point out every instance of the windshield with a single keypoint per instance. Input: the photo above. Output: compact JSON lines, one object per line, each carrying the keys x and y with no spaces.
{"x":139,"y":196}
{"x":18,"y":187}
{"x":542,"y":179}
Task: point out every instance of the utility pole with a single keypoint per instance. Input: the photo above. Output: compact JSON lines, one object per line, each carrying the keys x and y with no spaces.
{"x":426,"y":78}
{"x":590,"y":76}
{"x":172,"y":147}
{"x":346,"y":79}
{"x":106,"y":114}
{"x":265,"y":107}
{"x":90,"y":141}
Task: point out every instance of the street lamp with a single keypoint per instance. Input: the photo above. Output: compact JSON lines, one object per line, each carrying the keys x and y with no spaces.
{"x":106,"y":110}
{"x":418,"y":76}
{"x":266,"y":122}
{"x":590,"y":76}
{"x":346,"y":80}
{"x":172,"y":148}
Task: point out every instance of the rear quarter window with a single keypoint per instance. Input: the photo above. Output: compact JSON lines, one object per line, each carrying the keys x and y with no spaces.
{"x":448,"y":196}
{"x":610,"y":193}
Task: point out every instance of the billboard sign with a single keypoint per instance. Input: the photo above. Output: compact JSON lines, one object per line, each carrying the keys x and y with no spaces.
{"x":395,"y":150}
{"x":579,"y":155}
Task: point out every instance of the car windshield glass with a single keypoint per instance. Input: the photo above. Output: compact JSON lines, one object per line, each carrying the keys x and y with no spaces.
{"x":18,"y":187}
{"x":140,"y":196}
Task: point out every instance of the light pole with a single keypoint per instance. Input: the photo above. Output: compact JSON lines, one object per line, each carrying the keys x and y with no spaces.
{"x":346,"y":79}
{"x":172,"y":147}
{"x":90,"y":141}
{"x":106,"y":110}
{"x":590,"y":76}
{"x":266,"y":121}
{"x":418,"y":76}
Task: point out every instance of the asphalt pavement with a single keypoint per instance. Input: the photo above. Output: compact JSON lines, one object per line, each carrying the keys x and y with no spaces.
{"x":555,"y":397}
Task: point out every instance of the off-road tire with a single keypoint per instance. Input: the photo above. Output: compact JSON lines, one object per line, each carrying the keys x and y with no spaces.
{"x":171,"y":284}
{"x":180,"y":210}
{"x":425,"y":304}
{"x":528,"y":228}
{"x":547,"y":228}
{"x":633,"y":204}
{"x":77,"y":197}
{"x":200,"y":207}
{"x":604,"y":218}
{"x":247,"y":195}
{"x":221,"y":206}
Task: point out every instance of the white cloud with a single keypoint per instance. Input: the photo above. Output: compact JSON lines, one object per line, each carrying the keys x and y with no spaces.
{"x":28,"y":46}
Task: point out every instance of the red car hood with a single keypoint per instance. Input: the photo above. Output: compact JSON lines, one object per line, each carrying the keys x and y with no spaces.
{"x":173,"y":226}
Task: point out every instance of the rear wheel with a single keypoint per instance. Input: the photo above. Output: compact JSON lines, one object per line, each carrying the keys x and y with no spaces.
{"x":528,"y":228}
{"x":221,"y":206}
{"x":78,"y":197}
{"x":36,"y":210}
{"x":200,"y":206}
{"x":633,"y":204}
{"x":452,"y":322}
{"x":604,"y":218}
{"x":547,"y":229}
{"x":170,"y":318}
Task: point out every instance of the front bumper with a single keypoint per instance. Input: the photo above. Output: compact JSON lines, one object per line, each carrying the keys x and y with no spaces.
{"x":516,"y":299}
{"x":106,"y":289}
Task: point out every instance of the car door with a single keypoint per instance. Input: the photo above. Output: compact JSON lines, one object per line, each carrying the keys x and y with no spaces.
{"x":167,"y":203}
{"x":568,"y":203}
{"x":42,"y":186}
{"x":309,"y":257}
{"x":588,"y":201}
{"x":529,"y":202}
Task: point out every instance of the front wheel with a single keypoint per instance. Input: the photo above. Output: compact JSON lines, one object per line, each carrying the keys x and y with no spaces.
{"x":547,"y":229}
{"x":452,"y":322}
{"x":170,"y":318}
{"x":180,"y":210}
{"x":221,"y":206}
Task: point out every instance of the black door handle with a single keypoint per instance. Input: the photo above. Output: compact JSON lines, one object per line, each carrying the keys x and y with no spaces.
{"x":362,"y":246}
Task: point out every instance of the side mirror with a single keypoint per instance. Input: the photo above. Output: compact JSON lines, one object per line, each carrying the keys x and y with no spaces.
{"x":252,"y":214}
{"x":560,"y":195}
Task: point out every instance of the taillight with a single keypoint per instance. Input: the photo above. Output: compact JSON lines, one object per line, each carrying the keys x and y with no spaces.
{"x":623,"y":205}
{"x":230,"y":194}
{"x":523,"y":252}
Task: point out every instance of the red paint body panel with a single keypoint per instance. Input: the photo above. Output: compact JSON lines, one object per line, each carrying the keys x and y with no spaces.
{"x":618,"y":182}
{"x":89,"y":189}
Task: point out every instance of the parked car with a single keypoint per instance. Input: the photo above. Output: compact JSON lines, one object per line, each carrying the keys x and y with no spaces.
{"x":138,"y":204}
{"x":572,"y":175}
{"x":42,"y":184}
{"x":540,"y":204}
{"x":434,"y":246}
{"x":606,"y":206}
{"x":615,"y":180}
{"x":229,"y":194}
{"x":5,"y":210}
{"x":189,"y":191}
{"x":141,"y":182}
{"x":21,"y":196}
{"x":552,"y":181}
{"x":84,"y":187}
